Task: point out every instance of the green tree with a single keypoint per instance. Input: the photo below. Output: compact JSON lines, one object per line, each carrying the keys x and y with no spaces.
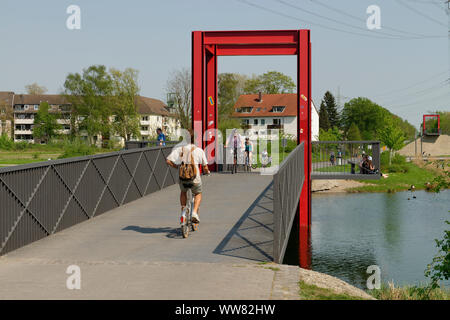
{"x":353,"y":133}
{"x":369,"y":117}
{"x":46,"y":124}
{"x":444,"y":121}
{"x":229,"y":86}
{"x":329,"y":104}
{"x":179,"y":87}
{"x":126,"y":122}
{"x":270,"y":83}
{"x":324,"y":122}
{"x":90,"y":96}
{"x":392,"y":137}
{"x":439,"y":268}
{"x":332,"y":134}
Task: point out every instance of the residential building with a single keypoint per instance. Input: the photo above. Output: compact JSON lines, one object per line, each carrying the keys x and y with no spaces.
{"x":22,"y":109}
{"x":155,"y":114}
{"x":264,"y":112}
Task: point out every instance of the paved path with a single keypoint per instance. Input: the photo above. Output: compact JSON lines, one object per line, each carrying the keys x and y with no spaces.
{"x":136,"y":251}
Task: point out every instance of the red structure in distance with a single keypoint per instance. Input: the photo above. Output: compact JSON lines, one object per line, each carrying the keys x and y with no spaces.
{"x":431,"y":131}
{"x":208,"y":45}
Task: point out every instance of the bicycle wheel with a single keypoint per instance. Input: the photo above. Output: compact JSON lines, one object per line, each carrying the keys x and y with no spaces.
{"x":187,"y":222}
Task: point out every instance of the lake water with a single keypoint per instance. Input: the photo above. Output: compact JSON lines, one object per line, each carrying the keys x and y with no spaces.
{"x":353,"y":231}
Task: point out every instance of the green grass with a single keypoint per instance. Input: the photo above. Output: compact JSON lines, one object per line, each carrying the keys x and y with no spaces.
{"x":391,"y":292}
{"x":312,"y":292}
{"x":343,"y":168}
{"x":43,"y":153}
{"x":398,"y":181}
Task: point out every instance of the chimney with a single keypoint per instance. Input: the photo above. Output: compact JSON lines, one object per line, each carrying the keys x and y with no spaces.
{"x":260,"y":96}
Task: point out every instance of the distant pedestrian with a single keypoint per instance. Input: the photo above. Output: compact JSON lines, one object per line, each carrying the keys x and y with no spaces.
{"x":161,"y":137}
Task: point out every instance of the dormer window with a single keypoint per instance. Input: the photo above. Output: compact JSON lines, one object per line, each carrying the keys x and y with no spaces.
{"x":246,"y":109}
{"x":278,"y":109}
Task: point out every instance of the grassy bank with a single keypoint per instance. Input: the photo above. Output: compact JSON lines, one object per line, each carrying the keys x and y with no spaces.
{"x":391,"y":292}
{"x":23,"y":153}
{"x":399,"y":181}
{"x":312,"y":292}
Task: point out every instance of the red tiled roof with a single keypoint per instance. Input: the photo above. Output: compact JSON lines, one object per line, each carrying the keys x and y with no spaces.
{"x":263,"y":108}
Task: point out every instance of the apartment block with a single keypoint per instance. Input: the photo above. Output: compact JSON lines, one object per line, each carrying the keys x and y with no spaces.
{"x":17,"y":113}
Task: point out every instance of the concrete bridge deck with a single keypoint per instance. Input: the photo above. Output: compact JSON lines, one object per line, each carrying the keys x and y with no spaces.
{"x":137,"y":251}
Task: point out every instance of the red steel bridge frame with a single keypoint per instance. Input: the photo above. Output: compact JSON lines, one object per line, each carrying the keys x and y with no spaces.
{"x":207,"y":46}
{"x":425,"y":116}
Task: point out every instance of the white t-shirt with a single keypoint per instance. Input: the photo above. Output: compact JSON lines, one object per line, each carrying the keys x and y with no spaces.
{"x":198,"y":155}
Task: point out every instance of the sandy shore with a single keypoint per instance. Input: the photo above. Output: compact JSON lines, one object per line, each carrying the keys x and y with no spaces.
{"x":334,"y":186}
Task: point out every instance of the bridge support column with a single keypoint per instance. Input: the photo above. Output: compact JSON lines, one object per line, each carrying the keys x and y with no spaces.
{"x":304,"y":135}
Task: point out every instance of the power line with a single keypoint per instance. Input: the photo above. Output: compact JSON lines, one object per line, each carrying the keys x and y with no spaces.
{"x":420,"y":13}
{"x":423,"y":92}
{"x":447,"y":94}
{"x":348,"y":24}
{"x":318,"y":24}
{"x":412,"y":85}
{"x":364,"y":21}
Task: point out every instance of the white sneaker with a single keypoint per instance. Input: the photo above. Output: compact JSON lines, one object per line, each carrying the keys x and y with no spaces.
{"x":195,"y":218}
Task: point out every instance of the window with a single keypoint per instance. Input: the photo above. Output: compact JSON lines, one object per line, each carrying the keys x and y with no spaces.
{"x":36,"y":107}
{"x":245,"y":121}
{"x":145,"y":118}
{"x":25,"y":107}
{"x":144,"y":128}
{"x":258,"y":109}
{"x":276,"y":121}
{"x":255,"y":122}
{"x":263,"y":121}
{"x":246,"y":109}
{"x":278,"y":109}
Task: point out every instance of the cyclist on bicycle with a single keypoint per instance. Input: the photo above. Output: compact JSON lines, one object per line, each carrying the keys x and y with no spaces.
{"x":234,"y":142}
{"x":183,"y":154}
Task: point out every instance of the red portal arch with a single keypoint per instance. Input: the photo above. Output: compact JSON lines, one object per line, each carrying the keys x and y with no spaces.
{"x":208,"y":45}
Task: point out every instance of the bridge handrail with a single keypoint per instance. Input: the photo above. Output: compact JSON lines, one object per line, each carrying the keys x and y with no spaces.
{"x":42,"y":198}
{"x":287,"y":186}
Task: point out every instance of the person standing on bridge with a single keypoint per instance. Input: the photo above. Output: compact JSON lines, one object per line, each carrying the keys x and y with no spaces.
{"x":187,"y":154}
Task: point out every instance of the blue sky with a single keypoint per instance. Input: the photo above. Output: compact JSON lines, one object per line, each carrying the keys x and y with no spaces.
{"x":407,"y":76}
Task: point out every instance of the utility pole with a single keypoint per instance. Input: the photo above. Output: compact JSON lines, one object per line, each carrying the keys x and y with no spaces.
{"x":339,"y":98}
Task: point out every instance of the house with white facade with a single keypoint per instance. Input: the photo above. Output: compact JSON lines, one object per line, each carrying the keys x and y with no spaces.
{"x":264,"y":112}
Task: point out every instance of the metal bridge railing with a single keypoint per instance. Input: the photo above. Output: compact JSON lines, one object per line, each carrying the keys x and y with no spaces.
{"x":37,"y":200}
{"x":345,"y":160}
{"x":287,"y":186}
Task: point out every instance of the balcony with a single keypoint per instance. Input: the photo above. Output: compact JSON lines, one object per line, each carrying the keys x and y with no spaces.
{"x":29,"y":131}
{"x":23,"y":121}
{"x":275,"y":126}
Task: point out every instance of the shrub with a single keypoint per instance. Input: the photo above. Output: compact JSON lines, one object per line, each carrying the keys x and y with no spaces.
{"x":76,"y":148}
{"x":398,"y":168}
{"x":21,"y":145}
{"x":398,"y":159}
{"x":6,"y":143}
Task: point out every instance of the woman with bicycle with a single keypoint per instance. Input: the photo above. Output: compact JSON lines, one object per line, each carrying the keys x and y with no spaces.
{"x":235,"y":143}
{"x":248,"y":153}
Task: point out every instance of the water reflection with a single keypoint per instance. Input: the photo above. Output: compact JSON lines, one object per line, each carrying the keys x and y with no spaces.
{"x":353,"y":231}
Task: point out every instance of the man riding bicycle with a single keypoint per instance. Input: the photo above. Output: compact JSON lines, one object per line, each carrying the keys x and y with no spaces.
{"x":184,"y":154}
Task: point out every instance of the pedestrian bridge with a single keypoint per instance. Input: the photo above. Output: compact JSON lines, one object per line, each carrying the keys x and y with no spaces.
{"x":126,"y":205}
{"x":236,"y":223}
